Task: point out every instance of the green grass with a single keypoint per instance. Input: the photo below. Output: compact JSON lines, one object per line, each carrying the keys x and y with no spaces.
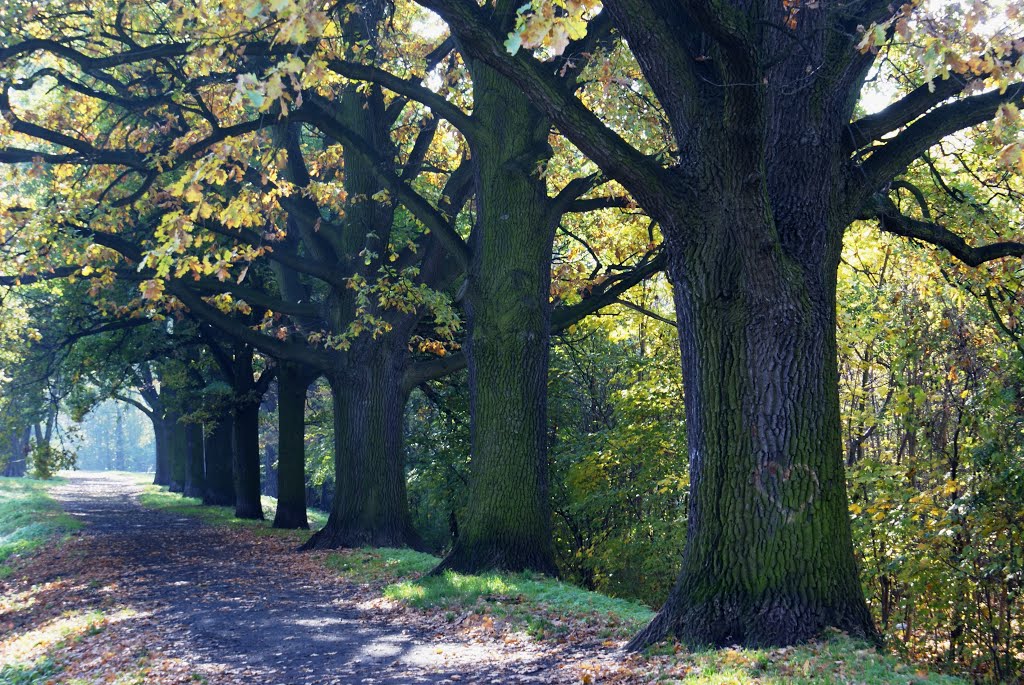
{"x":379,"y":565}
{"x":42,"y":671}
{"x":541,"y":605}
{"x":29,"y":518}
{"x":156,"y":497}
{"x":838,"y":659}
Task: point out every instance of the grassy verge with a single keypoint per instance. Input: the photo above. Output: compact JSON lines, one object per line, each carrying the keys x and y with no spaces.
{"x":550,"y":610}
{"x":838,"y":659}
{"x":156,"y":497}
{"x":29,"y":518}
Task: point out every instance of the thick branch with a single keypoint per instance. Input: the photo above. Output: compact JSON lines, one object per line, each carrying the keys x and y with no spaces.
{"x":281,"y":349}
{"x":410,"y":88}
{"x":900,"y":113}
{"x":891,"y":221}
{"x":893,"y":157}
{"x":617,"y":158}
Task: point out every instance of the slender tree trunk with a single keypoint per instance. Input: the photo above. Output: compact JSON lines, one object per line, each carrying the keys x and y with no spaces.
{"x":270,"y":473}
{"x":120,"y":459}
{"x":246,"y":453}
{"x":507,"y":523}
{"x":292,"y":383}
{"x":218,"y":450}
{"x":370,"y":506}
{"x":195,"y":468}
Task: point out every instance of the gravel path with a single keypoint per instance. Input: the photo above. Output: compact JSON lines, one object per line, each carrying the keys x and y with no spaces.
{"x":229,"y":607}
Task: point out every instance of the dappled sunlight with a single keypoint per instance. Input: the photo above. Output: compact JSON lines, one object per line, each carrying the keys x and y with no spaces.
{"x":26,"y":647}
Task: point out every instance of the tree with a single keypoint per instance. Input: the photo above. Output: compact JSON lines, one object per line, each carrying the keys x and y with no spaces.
{"x":767,"y":173}
{"x":216,"y":166}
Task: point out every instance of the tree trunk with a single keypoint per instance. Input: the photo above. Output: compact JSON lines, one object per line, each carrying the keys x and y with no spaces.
{"x":195,"y":468}
{"x":507,"y":523}
{"x":370,"y":507}
{"x":162,"y":467}
{"x":177,"y":447}
{"x":218,"y":450}
{"x":246,"y":452}
{"x":292,"y":384}
{"x":120,"y":459}
{"x":18,"y":457}
{"x":768,"y":557}
{"x":270,"y":474}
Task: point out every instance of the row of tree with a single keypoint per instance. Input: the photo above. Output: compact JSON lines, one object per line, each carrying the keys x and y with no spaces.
{"x":294,"y":191}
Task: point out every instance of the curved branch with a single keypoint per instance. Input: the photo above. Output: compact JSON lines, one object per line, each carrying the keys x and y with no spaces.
{"x":892,"y":221}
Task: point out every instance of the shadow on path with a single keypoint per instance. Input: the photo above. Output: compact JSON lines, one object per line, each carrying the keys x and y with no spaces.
{"x":227,"y":602}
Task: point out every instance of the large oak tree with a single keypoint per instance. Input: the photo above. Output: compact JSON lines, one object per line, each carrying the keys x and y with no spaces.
{"x":770,"y":168}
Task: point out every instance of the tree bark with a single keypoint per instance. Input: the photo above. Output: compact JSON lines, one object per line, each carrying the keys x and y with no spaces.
{"x":768,"y":556}
{"x":218,"y":450}
{"x":292,"y":383}
{"x":507,"y":523}
{"x":195,"y":467}
{"x":162,"y":468}
{"x":370,"y":506}
{"x":176,"y":453}
{"x":246,"y":461}
{"x":18,"y":456}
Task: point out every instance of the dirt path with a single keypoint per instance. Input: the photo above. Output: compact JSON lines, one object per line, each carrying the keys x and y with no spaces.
{"x":241,"y":608}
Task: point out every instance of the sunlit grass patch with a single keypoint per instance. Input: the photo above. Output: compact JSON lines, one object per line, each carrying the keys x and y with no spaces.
{"x":541,"y":605}
{"x":29,"y":518}
{"x":156,"y":497}
{"x":37,"y":655}
{"x":838,"y":659}
{"x":26,"y":648}
{"x":37,"y":673}
{"x":369,"y":565}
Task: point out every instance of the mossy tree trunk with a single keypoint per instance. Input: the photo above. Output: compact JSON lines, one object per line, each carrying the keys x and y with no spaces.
{"x":292,"y":383}
{"x":370,"y":505}
{"x":246,"y":460}
{"x":507,"y":522}
{"x":195,"y":467}
{"x":176,"y":452}
{"x":768,"y":556}
{"x":218,"y":451}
